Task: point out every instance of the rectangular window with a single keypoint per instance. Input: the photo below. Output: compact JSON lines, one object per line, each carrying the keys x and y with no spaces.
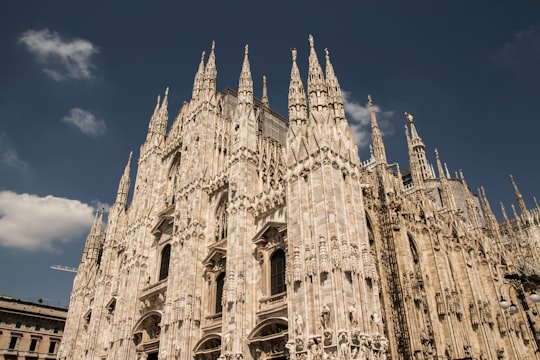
{"x":13,"y":342}
{"x":52,"y":347}
{"x":33,"y":344}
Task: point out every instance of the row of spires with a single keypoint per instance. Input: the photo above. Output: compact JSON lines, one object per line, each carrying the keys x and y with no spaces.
{"x":323,"y":93}
{"x":323,"y":90}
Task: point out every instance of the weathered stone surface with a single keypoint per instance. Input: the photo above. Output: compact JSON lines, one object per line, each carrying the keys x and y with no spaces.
{"x":248,"y":236}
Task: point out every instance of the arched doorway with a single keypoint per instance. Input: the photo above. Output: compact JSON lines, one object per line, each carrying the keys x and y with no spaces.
{"x":146,"y":336}
{"x":268,"y":339}
{"x":208,"y":347}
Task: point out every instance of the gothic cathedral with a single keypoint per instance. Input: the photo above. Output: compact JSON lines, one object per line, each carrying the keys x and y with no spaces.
{"x":252,"y":236}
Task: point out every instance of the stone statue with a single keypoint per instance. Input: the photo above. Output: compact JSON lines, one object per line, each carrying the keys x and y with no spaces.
{"x":299,"y":321}
{"x":325,"y":316}
{"x":352,"y":316}
{"x":409,"y":117}
{"x":228,"y":343}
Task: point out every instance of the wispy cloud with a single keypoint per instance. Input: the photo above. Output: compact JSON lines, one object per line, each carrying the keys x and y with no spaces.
{"x":85,"y":122}
{"x":31,"y":222}
{"x":62,"y":59}
{"x":522,"y":50}
{"x":9,"y":156}
{"x":360,"y":120}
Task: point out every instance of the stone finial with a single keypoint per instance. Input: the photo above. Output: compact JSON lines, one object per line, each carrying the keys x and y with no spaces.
{"x":311,"y":41}
{"x":293,"y":52}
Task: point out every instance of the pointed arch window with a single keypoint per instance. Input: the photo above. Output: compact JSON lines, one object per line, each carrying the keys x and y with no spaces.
{"x":220,"y":283}
{"x":165,"y":259}
{"x":277,"y":272}
{"x":221,"y":219}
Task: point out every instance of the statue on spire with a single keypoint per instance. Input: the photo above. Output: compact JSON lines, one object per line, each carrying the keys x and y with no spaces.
{"x":409,"y":117}
{"x":294,"y":51}
{"x":311,"y":41}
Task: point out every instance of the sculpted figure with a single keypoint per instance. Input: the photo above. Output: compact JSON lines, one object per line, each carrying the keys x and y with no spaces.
{"x":409,"y":117}
{"x":325,"y":316}
{"x":299,"y":321}
{"x":228,"y":344}
{"x":352,"y":316}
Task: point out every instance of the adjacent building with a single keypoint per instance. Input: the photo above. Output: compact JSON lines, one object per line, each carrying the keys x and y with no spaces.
{"x":252,"y":236}
{"x":30,"y":331}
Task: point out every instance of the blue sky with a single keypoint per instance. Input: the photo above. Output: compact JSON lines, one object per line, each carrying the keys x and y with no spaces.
{"x":79,"y":81}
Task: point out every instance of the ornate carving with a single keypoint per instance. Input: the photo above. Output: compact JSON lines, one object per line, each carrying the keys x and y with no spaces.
{"x":323,"y":255}
{"x":297,"y":265}
{"x":475,"y":321}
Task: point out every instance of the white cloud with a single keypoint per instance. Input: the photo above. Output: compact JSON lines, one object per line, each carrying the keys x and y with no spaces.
{"x":9,"y":156}
{"x":85,"y":121}
{"x":62,"y":59}
{"x":360,"y":119}
{"x":31,"y":222}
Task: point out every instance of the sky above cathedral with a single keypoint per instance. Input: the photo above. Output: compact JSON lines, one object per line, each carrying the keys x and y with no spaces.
{"x":79,"y":81}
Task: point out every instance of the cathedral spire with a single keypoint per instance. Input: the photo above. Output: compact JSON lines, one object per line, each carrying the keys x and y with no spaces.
{"x":297,"y":96}
{"x":198,"y":83}
{"x":521,"y":203}
{"x":123,"y":187}
{"x":156,"y":109}
{"x":419,"y":149}
{"x":491,"y":220}
{"x":317,"y":90}
{"x":94,"y":239}
{"x":210,"y":73}
{"x":163,"y":118}
{"x":97,"y":224}
{"x":379,"y":151}
{"x":446,"y":194}
{"x":506,"y":220}
{"x":245,"y":84}
{"x":440,"y":169}
{"x":334,"y":91}
{"x":416,"y":173}
{"x":265,"y":93}
{"x":159,"y":119}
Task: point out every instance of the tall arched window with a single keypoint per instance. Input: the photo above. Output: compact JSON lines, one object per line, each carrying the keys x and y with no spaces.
{"x":221,"y":219}
{"x":277,"y":272}
{"x":165,"y":259}
{"x":220,"y":282}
